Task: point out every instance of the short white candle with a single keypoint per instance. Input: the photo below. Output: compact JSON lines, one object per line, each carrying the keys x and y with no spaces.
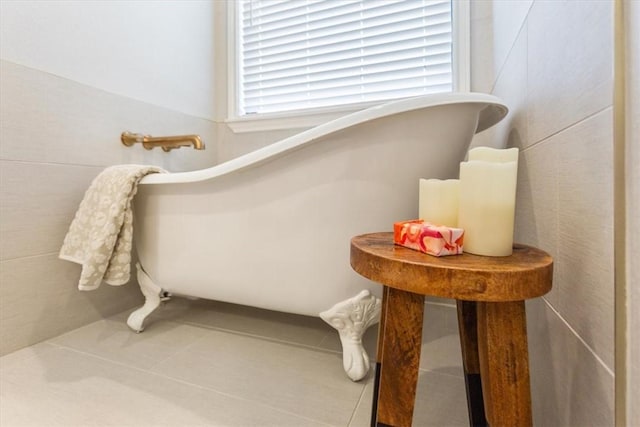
{"x":487,"y":206}
{"x":438,"y":201}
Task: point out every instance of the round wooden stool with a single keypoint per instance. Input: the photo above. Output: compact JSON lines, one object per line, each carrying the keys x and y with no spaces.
{"x":489,"y":293}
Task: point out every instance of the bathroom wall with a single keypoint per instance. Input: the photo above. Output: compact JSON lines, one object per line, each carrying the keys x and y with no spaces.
{"x":73,"y":76}
{"x":552,"y":62}
{"x":230,"y":143}
{"x":630,"y":19}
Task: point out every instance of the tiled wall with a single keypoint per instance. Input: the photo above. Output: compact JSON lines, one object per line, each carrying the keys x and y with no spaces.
{"x":73,"y":76}
{"x":632,"y":160}
{"x":68,"y":89}
{"x":56,"y":135}
{"x":552,"y":63}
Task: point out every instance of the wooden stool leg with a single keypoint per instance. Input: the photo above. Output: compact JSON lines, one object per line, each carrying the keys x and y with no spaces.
{"x":379,"y":355}
{"x":504,"y":363}
{"x":467,"y":325}
{"x":399,"y":345}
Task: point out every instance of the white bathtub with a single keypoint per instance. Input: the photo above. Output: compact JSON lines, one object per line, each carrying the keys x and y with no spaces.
{"x":271,"y":229}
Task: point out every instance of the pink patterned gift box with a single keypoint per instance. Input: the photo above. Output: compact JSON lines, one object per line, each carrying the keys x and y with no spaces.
{"x":436,"y":240}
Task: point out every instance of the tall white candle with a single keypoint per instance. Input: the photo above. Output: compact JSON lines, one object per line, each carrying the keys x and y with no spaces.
{"x":487,"y":202}
{"x":489,"y":154}
{"x":439,"y":201}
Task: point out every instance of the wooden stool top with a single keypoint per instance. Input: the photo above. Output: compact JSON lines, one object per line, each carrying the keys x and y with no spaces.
{"x":527,"y":273}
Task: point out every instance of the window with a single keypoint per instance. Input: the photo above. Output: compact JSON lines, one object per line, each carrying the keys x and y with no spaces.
{"x":302,"y":57}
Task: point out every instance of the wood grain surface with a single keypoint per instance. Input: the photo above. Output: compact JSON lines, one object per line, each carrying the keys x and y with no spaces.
{"x":399,"y":346}
{"x":468,"y":328}
{"x":504,"y":363}
{"x":527,"y":273}
{"x":490,"y":294}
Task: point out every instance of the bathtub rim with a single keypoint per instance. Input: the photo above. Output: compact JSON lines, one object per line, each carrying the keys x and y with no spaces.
{"x":494,"y":111}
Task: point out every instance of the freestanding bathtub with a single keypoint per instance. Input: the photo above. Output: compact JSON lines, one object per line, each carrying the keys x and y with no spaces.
{"x":271,"y":229}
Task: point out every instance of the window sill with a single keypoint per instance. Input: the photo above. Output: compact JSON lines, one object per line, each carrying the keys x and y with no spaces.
{"x":291,"y":120}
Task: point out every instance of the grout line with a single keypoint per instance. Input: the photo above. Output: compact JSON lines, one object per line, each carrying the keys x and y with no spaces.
{"x":440,"y":304}
{"x":34,"y":162}
{"x":355,"y":409}
{"x":525,"y":23}
{"x":591,"y":350}
{"x":261,"y":337}
{"x":31,"y":256}
{"x":445,"y":374}
{"x":568,"y":127}
{"x":147,"y":103}
{"x":205,"y":326}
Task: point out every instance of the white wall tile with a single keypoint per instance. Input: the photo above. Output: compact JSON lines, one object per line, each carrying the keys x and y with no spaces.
{"x":537,"y":198}
{"x":564,"y":196}
{"x":508,"y":18}
{"x":569,"y":386}
{"x":632,"y":158}
{"x":570,"y":60}
{"x":585,"y":283}
{"x":38,"y":202}
{"x":40,"y":300}
{"x":45,"y":118}
{"x":55,"y":136}
{"x":511,"y":89}
{"x":565,"y":207}
{"x":495,"y":26}
{"x":483,"y":73}
{"x":231,"y":145}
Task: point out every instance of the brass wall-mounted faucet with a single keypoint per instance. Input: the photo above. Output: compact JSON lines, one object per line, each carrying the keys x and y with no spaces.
{"x":167,"y":143}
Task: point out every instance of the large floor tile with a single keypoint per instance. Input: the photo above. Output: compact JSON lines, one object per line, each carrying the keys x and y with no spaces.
{"x":112,"y":339}
{"x":301,"y":330}
{"x":20,"y":356}
{"x":67,"y":388}
{"x":440,"y":402}
{"x":299,"y":380}
{"x":440,"y":340}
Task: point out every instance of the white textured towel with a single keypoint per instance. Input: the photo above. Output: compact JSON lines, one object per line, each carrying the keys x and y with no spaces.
{"x":101,"y":233}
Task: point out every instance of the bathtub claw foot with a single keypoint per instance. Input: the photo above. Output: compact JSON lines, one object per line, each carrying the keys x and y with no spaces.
{"x":152,"y":298}
{"x":351,"y":318}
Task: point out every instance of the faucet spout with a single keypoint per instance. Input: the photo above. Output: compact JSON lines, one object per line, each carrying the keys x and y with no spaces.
{"x":167,"y":143}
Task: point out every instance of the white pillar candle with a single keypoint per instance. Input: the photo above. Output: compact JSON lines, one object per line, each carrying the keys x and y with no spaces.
{"x":487,"y":206}
{"x":489,"y":154}
{"x":438,"y":201}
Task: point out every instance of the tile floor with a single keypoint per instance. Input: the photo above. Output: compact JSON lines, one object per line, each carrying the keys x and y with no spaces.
{"x":205,"y":363}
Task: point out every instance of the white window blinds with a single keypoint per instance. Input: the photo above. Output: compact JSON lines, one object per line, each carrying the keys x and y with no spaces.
{"x":300,"y":54}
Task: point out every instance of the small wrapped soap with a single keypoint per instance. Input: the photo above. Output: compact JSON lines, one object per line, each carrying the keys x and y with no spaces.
{"x":436,"y":240}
